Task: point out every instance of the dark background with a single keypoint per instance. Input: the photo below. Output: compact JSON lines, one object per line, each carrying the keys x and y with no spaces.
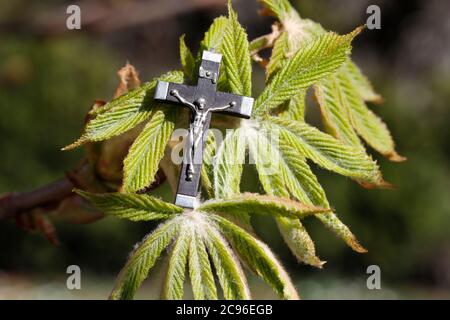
{"x":49,"y":77}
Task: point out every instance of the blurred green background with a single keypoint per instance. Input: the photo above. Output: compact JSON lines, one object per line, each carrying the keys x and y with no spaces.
{"x":49,"y":77}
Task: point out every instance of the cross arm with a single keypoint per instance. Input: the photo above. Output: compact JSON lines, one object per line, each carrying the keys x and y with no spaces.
{"x":164,"y":93}
{"x":242,"y":105}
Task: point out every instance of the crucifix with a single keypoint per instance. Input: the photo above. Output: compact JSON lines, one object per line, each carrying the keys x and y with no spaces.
{"x":202,"y":100}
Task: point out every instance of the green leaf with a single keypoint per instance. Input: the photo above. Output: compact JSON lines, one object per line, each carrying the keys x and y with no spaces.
{"x":294,"y":109}
{"x":214,"y":36}
{"x":328,"y":152}
{"x":187,"y":60}
{"x":141,"y":163}
{"x":258,"y":257}
{"x":354,"y":91}
{"x":261,"y":204}
{"x":267,"y":159}
{"x":280,"y":8}
{"x":124,"y":112}
{"x":202,"y":279}
{"x":370,"y":127}
{"x":304,"y":186}
{"x":273,"y":172}
{"x":318,"y":59}
{"x":135,"y":207}
{"x":334,"y":107}
{"x":299,"y":241}
{"x":293,"y":177}
{"x":228,"y":270}
{"x":279,"y":55}
{"x":228,"y":165}
{"x":361,"y":83}
{"x":236,"y":56}
{"x":335,"y":225}
{"x":207,"y":173}
{"x":299,"y":31}
{"x":173,"y":287}
{"x":264,"y":42}
{"x":142,"y":259}
{"x":257,"y":44}
{"x":226,"y":171}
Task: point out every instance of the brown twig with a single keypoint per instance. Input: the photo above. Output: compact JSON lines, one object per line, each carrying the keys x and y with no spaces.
{"x":107,"y":16}
{"x":12,"y":204}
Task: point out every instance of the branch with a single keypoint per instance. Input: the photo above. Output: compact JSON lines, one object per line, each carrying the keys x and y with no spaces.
{"x":13,"y":203}
{"x":108,"y":16}
{"x":50,"y":195}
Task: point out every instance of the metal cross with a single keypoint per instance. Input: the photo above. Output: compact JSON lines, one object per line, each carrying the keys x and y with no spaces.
{"x":202,"y":100}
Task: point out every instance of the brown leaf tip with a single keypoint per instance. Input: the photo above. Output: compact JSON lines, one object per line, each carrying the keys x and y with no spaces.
{"x":395,"y":157}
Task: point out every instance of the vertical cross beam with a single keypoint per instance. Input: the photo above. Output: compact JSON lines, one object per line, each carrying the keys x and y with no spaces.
{"x":202,"y":100}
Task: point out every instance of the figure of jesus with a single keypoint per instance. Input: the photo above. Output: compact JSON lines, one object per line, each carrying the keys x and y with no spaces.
{"x":196,"y":127}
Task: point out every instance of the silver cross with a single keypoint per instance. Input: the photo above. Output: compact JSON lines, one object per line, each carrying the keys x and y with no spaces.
{"x":202,"y":100}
